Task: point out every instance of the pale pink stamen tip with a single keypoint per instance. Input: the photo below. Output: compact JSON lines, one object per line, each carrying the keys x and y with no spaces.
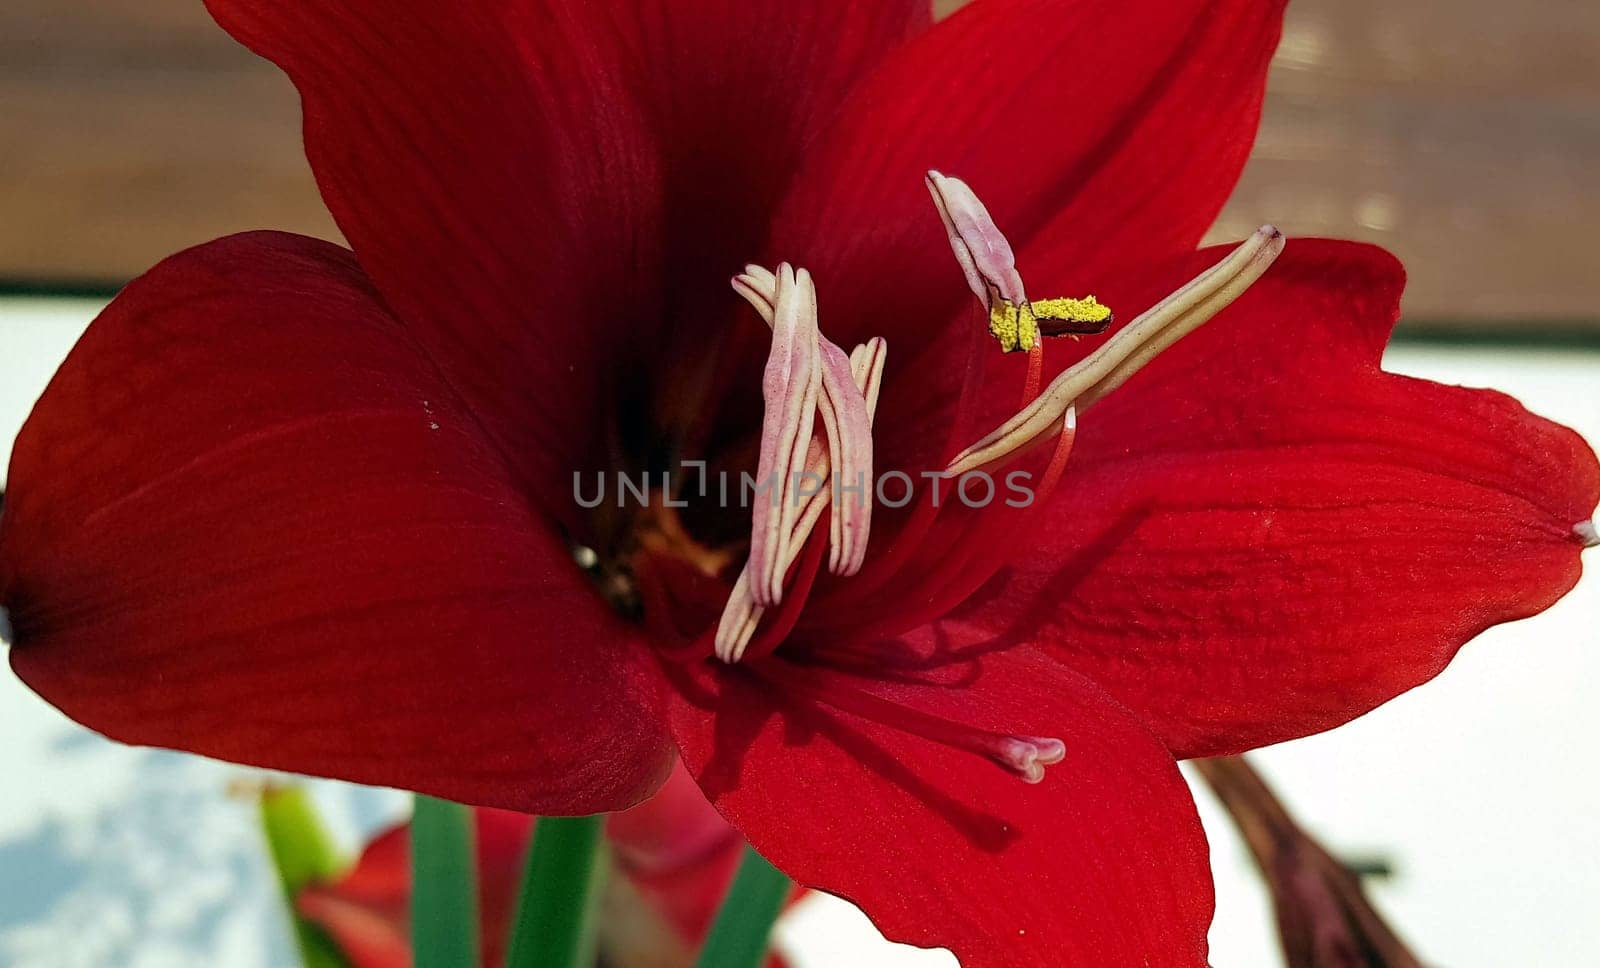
{"x":1029,"y":755}
{"x":1587,"y":534}
{"x":790,"y":387}
{"x":981,"y":249}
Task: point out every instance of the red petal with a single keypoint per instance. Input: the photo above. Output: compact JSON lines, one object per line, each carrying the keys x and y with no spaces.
{"x":368,"y":910}
{"x":533,"y":186}
{"x":1104,"y":863}
{"x":247,"y":520}
{"x":671,"y":830}
{"x":678,"y":857}
{"x":1116,"y":130}
{"x":737,"y":89}
{"x":1262,"y":535}
{"x":498,"y":185}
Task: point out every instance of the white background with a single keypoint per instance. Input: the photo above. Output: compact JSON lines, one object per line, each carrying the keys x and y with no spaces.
{"x":1478,"y":787}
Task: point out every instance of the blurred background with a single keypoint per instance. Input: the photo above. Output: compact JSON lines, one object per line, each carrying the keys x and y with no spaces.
{"x":1464,"y":135}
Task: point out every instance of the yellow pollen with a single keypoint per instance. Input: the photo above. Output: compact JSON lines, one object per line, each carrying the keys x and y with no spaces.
{"x":1018,"y":328}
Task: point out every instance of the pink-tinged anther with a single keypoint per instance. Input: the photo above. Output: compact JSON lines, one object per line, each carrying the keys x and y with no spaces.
{"x":790,"y":388}
{"x":1586,"y":534}
{"x":980,"y":247}
{"x":847,"y":428}
{"x":741,"y":615}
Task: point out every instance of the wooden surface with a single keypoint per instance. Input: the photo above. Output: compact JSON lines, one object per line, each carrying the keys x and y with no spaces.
{"x":1462,"y":134}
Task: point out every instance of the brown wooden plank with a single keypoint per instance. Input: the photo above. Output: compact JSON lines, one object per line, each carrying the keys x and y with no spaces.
{"x":1462,"y":134}
{"x":130,"y":129}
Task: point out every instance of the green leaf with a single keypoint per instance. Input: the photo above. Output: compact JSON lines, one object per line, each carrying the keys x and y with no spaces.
{"x":743,"y":929}
{"x":303,"y":854}
{"x":561,"y":883}
{"x":444,"y":886}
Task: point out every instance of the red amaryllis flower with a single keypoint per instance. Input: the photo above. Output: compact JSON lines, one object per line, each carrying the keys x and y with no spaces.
{"x":671,"y":859}
{"x":314,"y":509}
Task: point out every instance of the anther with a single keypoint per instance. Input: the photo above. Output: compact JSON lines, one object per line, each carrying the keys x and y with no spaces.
{"x":741,"y":615}
{"x":790,"y":388}
{"x":990,"y":265}
{"x":846,"y":397}
{"x":847,"y":464}
{"x":1587,"y":534}
{"x":980,"y":247}
{"x":1125,"y":354}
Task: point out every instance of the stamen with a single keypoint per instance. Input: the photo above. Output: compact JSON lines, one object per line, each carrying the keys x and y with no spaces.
{"x":845,"y":424}
{"x":866,"y":367}
{"x":990,"y":265}
{"x":965,"y":566}
{"x":759,"y":287}
{"x":739,"y":619}
{"x":790,"y":389}
{"x":1025,"y":756}
{"x":1013,"y":326}
{"x":1112,"y":364}
{"x":1072,"y":317}
{"x":849,"y":430}
{"x":1019,"y":327}
{"x":806,"y":372}
{"x":980,"y":247}
{"x":1587,"y":534}
{"x":741,"y":614}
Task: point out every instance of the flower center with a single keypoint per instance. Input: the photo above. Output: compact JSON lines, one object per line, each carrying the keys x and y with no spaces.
{"x":816,"y":458}
{"x":809,"y":471}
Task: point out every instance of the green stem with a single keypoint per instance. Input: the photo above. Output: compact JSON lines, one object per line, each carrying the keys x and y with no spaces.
{"x":743,"y":928}
{"x":444,"y":886}
{"x":303,"y":854}
{"x":561,"y":884}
